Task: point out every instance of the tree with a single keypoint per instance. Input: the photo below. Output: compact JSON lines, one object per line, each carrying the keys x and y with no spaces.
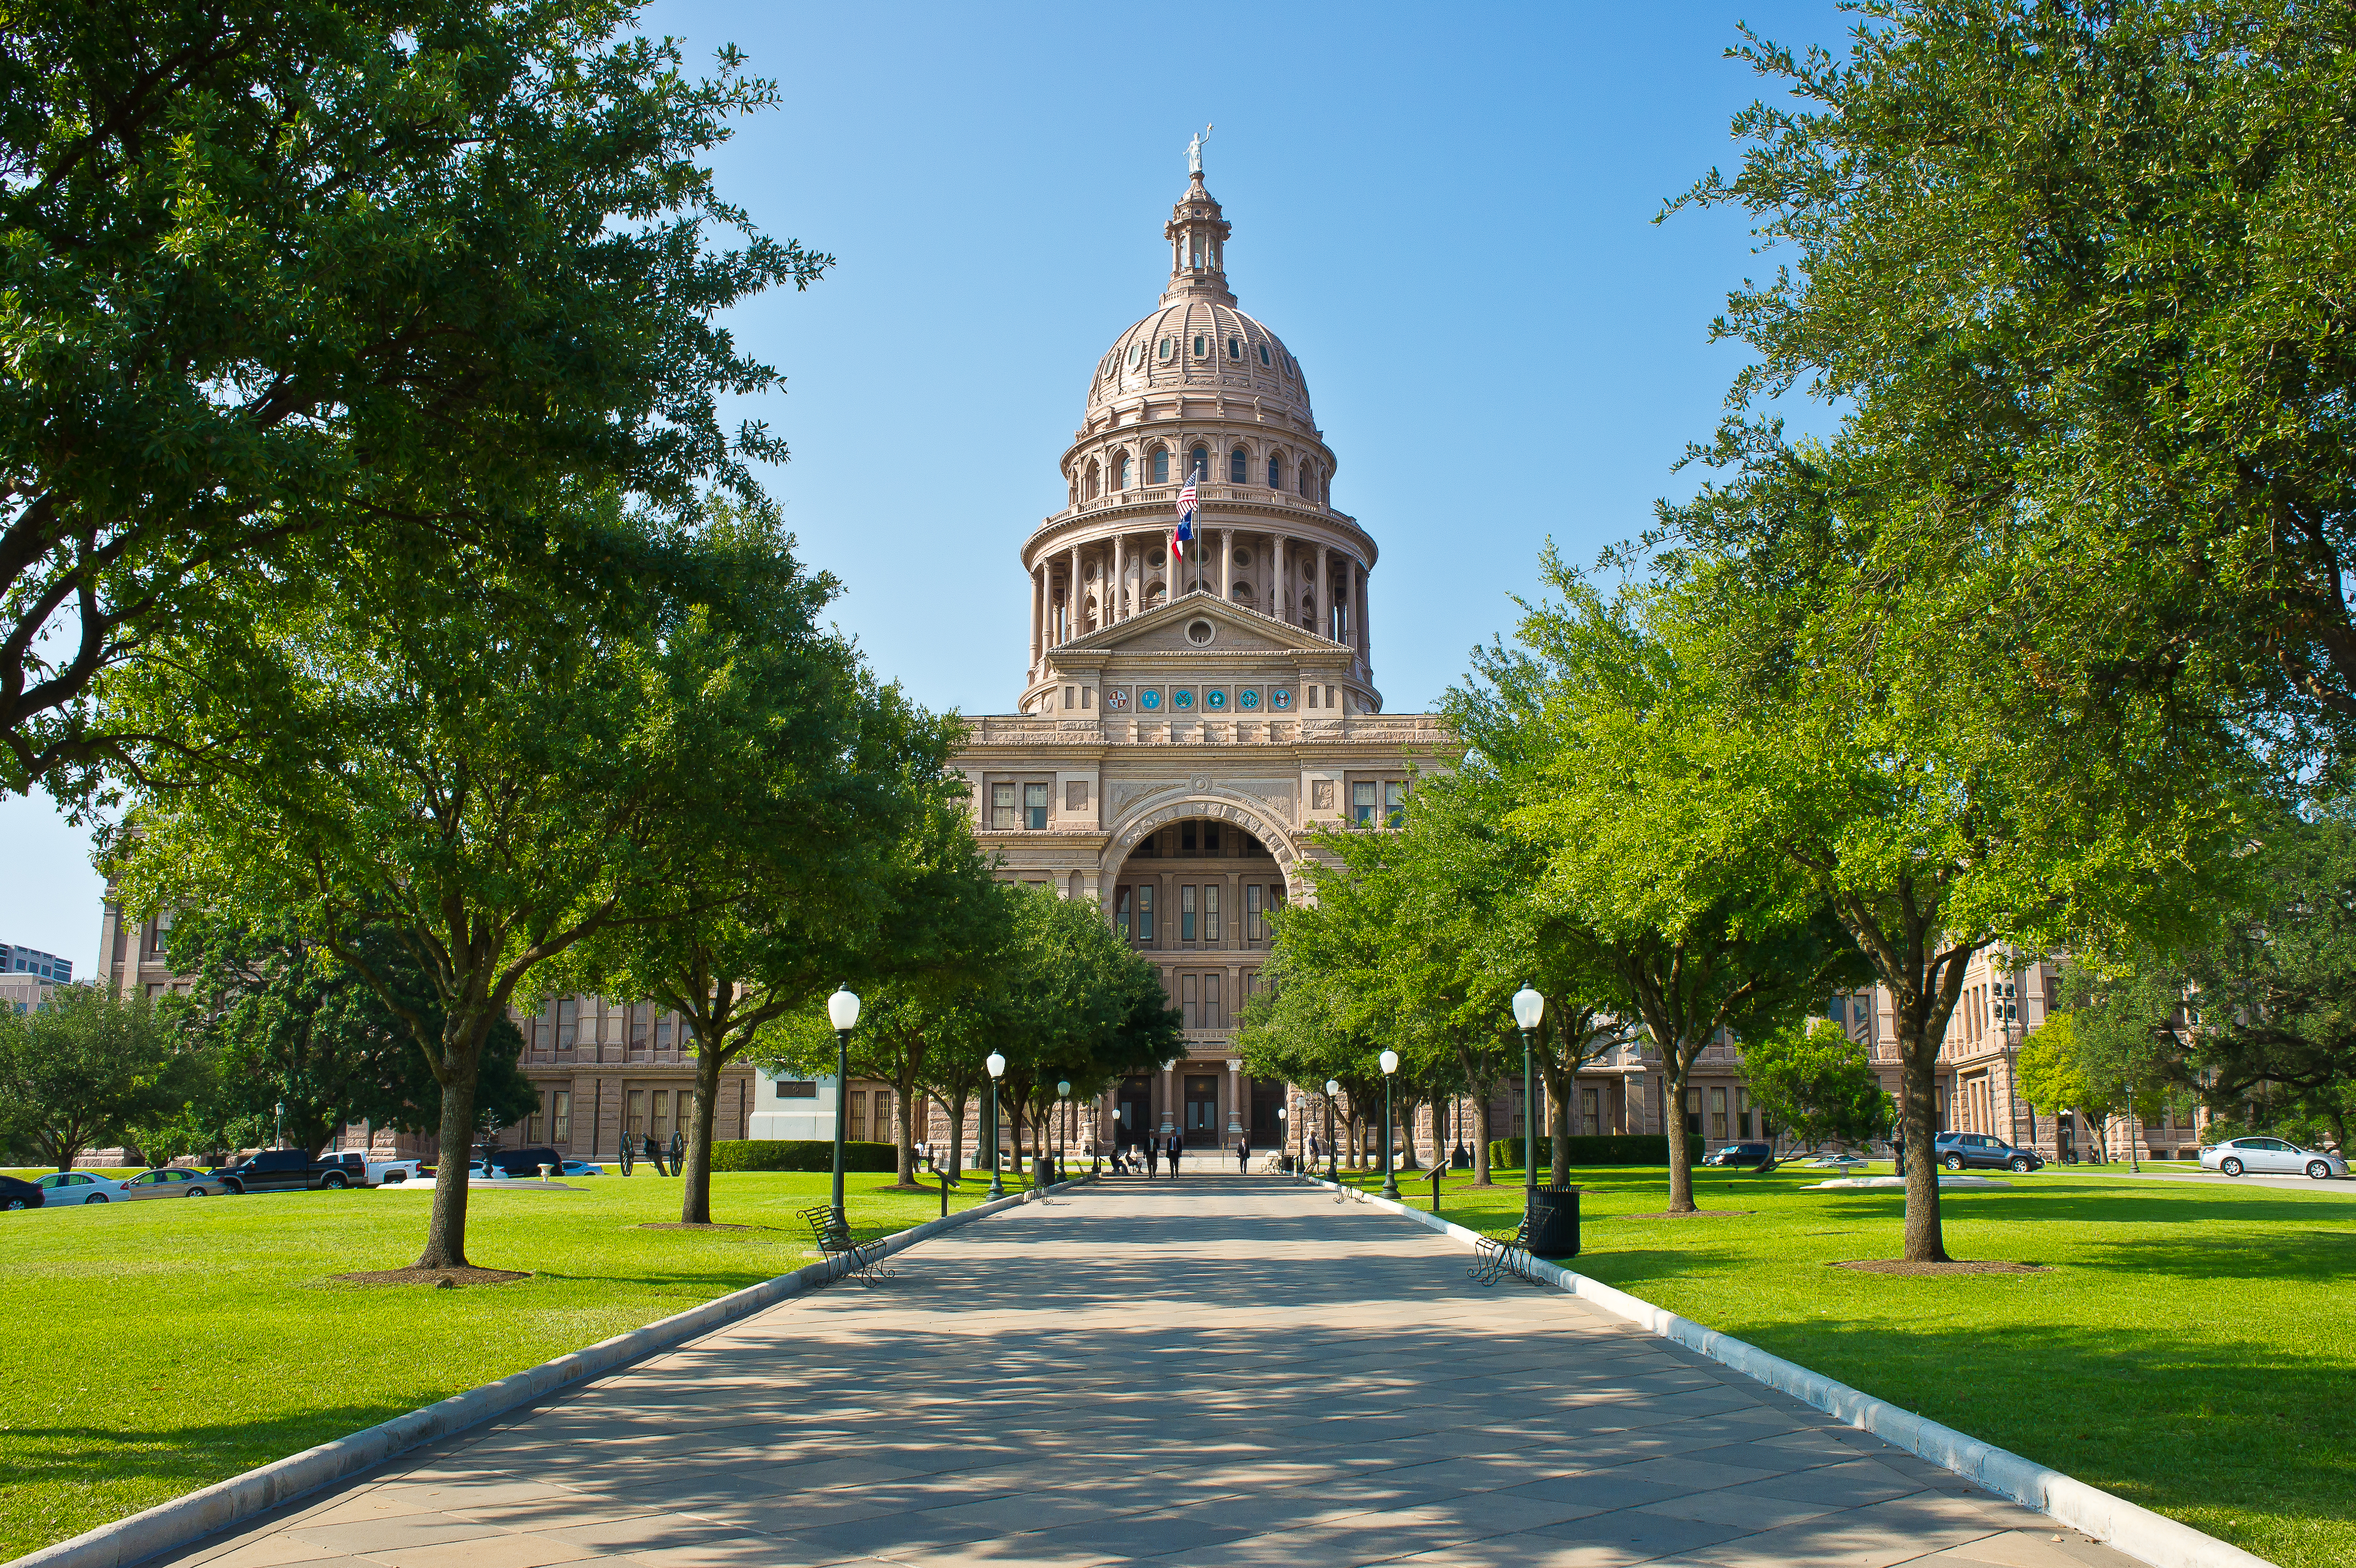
{"x":80,"y":1072}
{"x":2053,"y":1079}
{"x":491,"y":774}
{"x":281,"y":1021}
{"x":2071,"y":271}
{"x":1817,"y":1084}
{"x":296,"y":286}
{"x":1605,"y":730}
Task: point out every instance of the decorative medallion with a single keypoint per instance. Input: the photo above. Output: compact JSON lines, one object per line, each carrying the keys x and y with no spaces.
{"x":1117,"y":698}
{"x":1181,"y":697}
{"x":1279,"y":698}
{"x":1149,"y":699}
{"x":1247,"y":699}
{"x":1215,"y":698}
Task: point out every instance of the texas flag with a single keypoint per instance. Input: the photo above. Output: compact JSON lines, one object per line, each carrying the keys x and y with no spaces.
{"x":1185,"y":532}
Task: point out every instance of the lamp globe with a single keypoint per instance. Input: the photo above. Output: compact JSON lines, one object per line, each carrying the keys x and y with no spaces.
{"x":843,"y":1009}
{"x":1528,"y":1007}
{"x":996,"y":1064}
{"x":1390,"y":1062}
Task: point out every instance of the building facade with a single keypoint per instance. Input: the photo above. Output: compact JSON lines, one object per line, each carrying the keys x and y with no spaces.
{"x":1188,"y":721}
{"x":40,"y":965}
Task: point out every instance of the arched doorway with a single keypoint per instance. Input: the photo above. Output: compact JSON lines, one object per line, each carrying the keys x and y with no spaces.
{"x":1195,"y":894}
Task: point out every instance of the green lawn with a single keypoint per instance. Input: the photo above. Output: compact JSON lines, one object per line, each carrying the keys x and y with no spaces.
{"x":2191,"y":1349}
{"x":154,"y":1348}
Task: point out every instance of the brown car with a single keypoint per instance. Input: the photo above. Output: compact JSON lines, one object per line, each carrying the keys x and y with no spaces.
{"x":172,"y":1181}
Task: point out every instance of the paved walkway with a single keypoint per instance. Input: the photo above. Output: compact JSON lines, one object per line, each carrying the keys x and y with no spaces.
{"x":1219,"y":1371}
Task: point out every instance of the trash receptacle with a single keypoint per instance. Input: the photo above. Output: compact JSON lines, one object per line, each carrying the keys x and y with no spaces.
{"x":1553,"y":1221}
{"x":1043,"y":1172}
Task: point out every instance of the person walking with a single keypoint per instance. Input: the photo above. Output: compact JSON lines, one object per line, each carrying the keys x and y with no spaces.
{"x":1177,"y":1147}
{"x":1243,"y":1155}
{"x":1152,"y":1150}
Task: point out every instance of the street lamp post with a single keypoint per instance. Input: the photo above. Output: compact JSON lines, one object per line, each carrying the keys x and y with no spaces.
{"x":1528,"y":1008}
{"x":1062,"y":1134}
{"x":1332,"y":1154}
{"x":997,"y":1065}
{"x":1283,"y":1135}
{"x":1390,"y":1178}
{"x":842,"y":1012}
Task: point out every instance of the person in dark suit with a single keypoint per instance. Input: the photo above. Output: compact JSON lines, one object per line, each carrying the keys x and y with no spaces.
{"x":1153,"y":1148}
{"x":1243,"y":1156}
{"x":1177,"y":1147}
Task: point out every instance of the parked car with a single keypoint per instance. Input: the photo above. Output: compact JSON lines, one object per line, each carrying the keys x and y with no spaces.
{"x":514,"y":1163}
{"x":1751,"y":1156}
{"x":2272,"y":1156}
{"x":363,"y":1171}
{"x":581,"y":1167}
{"x":291,"y":1170}
{"x":66,"y":1187}
{"x":1983,"y":1151}
{"x":1839,"y":1162}
{"x":172,"y":1181}
{"x":17,"y":1194}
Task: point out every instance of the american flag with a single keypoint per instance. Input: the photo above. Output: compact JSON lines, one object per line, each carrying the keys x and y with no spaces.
{"x":1186,"y":528}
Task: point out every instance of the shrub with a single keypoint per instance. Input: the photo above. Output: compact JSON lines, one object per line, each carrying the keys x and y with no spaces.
{"x":799,"y":1154}
{"x":1606,"y":1149}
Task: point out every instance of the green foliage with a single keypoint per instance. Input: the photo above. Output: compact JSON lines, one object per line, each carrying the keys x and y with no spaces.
{"x":80,"y":1073}
{"x":800,"y":1155}
{"x":1817,"y":1084}
{"x":1592,"y":1149}
{"x":302,"y":289}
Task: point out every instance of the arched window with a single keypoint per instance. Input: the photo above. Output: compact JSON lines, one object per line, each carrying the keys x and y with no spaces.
{"x":1121,"y":473}
{"x":1304,"y":478}
{"x":1094,"y":478}
{"x":1263,"y":353}
{"x":1167,"y":344}
{"x":1238,"y":466}
{"x":1234,"y":348}
{"x":1161,"y":466}
{"x":1198,"y":463}
{"x":1275,"y":472}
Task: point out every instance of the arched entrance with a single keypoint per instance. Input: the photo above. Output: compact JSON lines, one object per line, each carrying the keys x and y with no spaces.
{"x":1193,"y":886}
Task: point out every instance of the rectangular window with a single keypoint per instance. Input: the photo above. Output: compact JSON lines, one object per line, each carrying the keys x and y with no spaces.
{"x":1211,"y":912}
{"x":640,"y":1020}
{"x":1362,"y":802}
{"x":1145,"y":914}
{"x":1185,"y":838}
{"x":1251,"y":912}
{"x":568,"y":1023}
{"x":857,"y":1100}
{"x":637,"y":1112}
{"x":560,"y":1116}
{"x":1395,"y":802}
{"x":883,"y":1123}
{"x":1214,"y":1009}
{"x":1002,"y":809}
{"x":1693,"y":1112}
{"x":1210,"y":838}
{"x":1120,"y":912}
{"x":1717,"y":1115}
{"x":1187,"y":913}
{"x":528,"y":1121}
{"x":1034,"y":807}
{"x":1591,"y":1111}
{"x":1190,"y":1000}
{"x":662,"y":1113}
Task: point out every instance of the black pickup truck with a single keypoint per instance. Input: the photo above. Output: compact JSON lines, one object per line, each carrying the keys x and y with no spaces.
{"x":288,"y":1170}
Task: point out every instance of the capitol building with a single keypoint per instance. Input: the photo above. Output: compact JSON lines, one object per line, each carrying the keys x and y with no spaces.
{"x":1185,"y":726}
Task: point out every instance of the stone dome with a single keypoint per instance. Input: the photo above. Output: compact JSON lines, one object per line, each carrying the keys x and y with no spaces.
{"x":1200,"y":347}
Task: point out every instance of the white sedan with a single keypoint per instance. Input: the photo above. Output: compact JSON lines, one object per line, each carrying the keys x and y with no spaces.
{"x":66,"y":1188}
{"x":2267,"y":1156}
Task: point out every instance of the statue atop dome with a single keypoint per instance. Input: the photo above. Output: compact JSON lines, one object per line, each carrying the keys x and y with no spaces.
{"x":1194,"y":152}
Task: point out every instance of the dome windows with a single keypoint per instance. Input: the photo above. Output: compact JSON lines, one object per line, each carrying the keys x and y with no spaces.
{"x":1136,"y":352}
{"x":1121,"y":472}
{"x":1160,"y":463}
{"x":1234,"y":348}
{"x":1202,"y":347}
{"x":1094,"y":485}
{"x":1275,"y":471}
{"x":1198,"y":463}
{"x":1263,"y":353}
{"x":1238,"y":466}
{"x":1168,"y":346}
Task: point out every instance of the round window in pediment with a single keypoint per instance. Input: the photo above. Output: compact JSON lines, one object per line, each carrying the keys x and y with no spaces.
{"x":1200,"y":632}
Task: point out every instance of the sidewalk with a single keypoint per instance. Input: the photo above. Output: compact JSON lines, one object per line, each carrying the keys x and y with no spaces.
{"x":1218,"y":1370}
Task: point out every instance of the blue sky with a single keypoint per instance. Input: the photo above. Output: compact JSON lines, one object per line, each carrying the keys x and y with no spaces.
{"x":1445,"y":211}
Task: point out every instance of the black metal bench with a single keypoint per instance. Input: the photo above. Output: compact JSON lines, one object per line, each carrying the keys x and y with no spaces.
{"x":863,"y":1261}
{"x":1497,"y":1253}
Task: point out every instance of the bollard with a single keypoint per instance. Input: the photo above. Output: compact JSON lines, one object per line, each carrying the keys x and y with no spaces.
{"x":1438,"y":1170}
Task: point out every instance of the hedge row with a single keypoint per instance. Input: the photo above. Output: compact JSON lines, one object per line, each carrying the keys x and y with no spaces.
{"x":1610,"y":1149}
{"x":799,"y":1154}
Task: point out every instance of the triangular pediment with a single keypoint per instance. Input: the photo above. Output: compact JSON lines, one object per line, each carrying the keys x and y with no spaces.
{"x":1235,"y":629}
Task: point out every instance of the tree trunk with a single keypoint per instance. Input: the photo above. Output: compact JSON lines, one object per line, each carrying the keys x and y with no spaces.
{"x":1918,"y":1062}
{"x":904,"y":1090}
{"x":1482,"y":1132}
{"x":1673,"y":1120}
{"x":445,"y":1232}
{"x":1558,"y":1173}
{"x":695,"y":1193}
{"x":953,"y":1110}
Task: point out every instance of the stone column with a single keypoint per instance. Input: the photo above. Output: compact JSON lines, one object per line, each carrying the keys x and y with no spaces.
{"x":1281,"y":597}
{"x":1366,"y":637}
{"x":1226,"y":566}
{"x":1358,"y":610}
{"x":1235,"y":1098}
{"x":1038,"y":620}
{"x":1073,"y":597}
{"x":1324,"y":594}
{"x":1120,"y":582}
{"x":1169,"y":1102}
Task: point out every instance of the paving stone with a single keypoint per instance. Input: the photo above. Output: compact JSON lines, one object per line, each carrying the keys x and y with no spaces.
{"x":1224,"y":1372}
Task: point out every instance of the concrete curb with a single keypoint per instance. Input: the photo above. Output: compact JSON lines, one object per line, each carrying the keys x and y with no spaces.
{"x":2131,"y":1527}
{"x":187,"y":1520}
